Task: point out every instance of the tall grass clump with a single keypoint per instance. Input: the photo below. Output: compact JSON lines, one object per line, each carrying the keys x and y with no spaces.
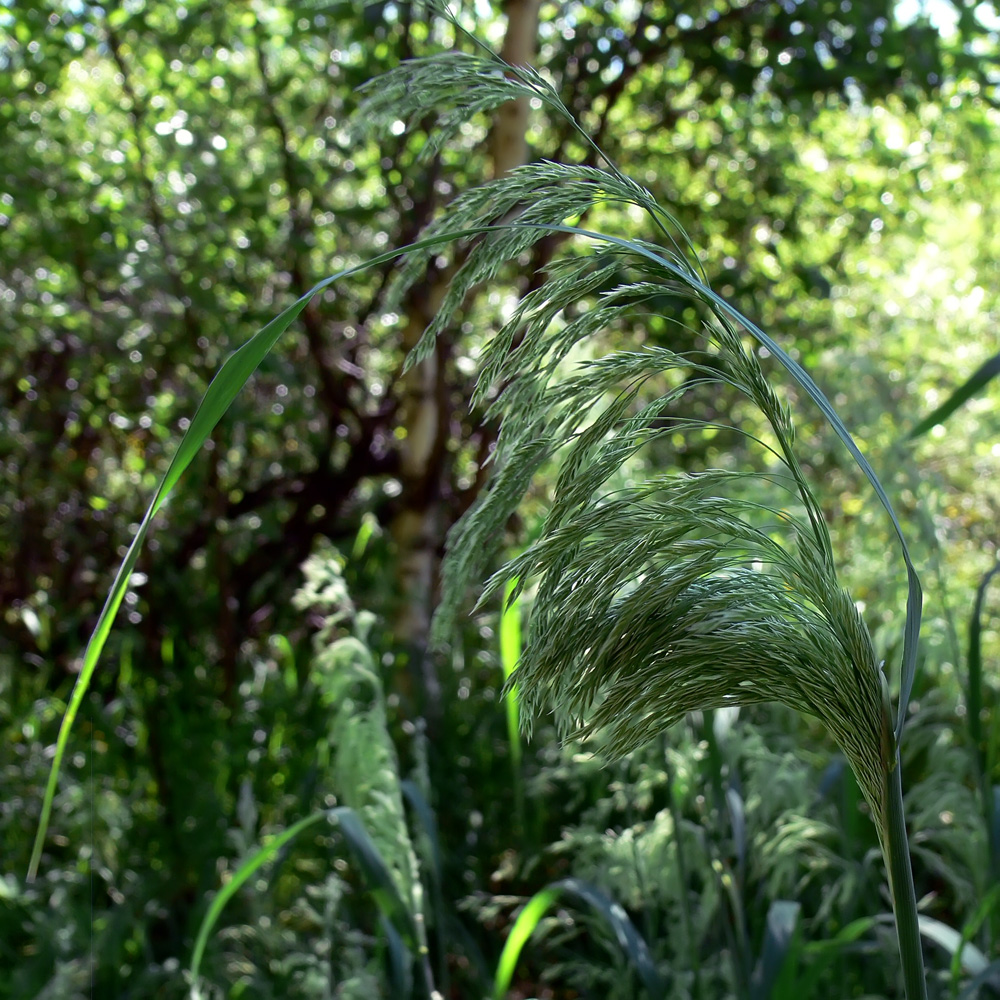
{"x":655,"y":593}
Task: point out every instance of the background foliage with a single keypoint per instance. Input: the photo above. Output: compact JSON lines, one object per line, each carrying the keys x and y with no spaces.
{"x":174,"y":175}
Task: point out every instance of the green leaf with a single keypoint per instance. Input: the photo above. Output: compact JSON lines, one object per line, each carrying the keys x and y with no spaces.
{"x":400,"y":961}
{"x":226,"y":893}
{"x":373,"y":868}
{"x":510,"y":654}
{"x":974,"y":694}
{"x":971,"y":959}
{"x":428,"y":823}
{"x":378,"y":877}
{"x":631,"y":942}
{"x":429,"y":846}
{"x":969,"y":388}
{"x":974,"y":708}
{"x":227,"y":383}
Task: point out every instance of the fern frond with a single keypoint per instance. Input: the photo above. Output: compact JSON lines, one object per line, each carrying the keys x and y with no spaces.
{"x":364,"y":769}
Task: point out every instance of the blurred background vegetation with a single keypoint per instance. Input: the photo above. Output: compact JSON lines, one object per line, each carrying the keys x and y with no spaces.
{"x":172,"y":175}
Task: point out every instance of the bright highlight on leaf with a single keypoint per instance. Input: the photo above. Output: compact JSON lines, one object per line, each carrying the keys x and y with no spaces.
{"x":590,"y":896}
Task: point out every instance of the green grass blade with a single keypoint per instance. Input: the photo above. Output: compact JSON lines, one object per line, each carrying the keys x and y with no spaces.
{"x":738,"y":824}
{"x":969,"y":388}
{"x":631,"y":942}
{"x":227,"y":383}
{"x":528,"y":919}
{"x":974,"y":694}
{"x":510,"y":654}
{"x":400,"y":961}
{"x":433,"y":858}
{"x":379,"y":879}
{"x":226,"y":893}
{"x":375,"y":871}
{"x":428,"y":824}
{"x":364,"y":536}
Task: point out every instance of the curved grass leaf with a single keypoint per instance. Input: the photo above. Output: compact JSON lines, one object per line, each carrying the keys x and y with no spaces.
{"x":428,"y":823}
{"x":969,"y":388}
{"x":430,"y":851}
{"x":374,"y":870}
{"x":985,"y":909}
{"x":970,"y":958}
{"x":378,"y":878}
{"x":738,"y":824}
{"x":400,"y":963}
{"x":226,"y":893}
{"x":974,"y":694}
{"x":631,"y":942}
{"x":227,"y":383}
{"x":510,"y":654}
{"x":528,"y":919}
{"x":989,"y":800}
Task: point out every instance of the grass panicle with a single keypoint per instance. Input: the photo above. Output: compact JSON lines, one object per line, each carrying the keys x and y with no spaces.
{"x":673,"y":594}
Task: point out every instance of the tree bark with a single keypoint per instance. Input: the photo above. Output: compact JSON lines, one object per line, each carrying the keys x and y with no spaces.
{"x":419,"y":527}
{"x":509,"y":145}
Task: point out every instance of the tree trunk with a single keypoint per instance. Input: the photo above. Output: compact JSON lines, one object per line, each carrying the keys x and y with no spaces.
{"x":418,"y":529}
{"x":508,"y":144}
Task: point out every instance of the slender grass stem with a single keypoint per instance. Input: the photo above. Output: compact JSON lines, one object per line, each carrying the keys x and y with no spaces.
{"x":904,"y":899}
